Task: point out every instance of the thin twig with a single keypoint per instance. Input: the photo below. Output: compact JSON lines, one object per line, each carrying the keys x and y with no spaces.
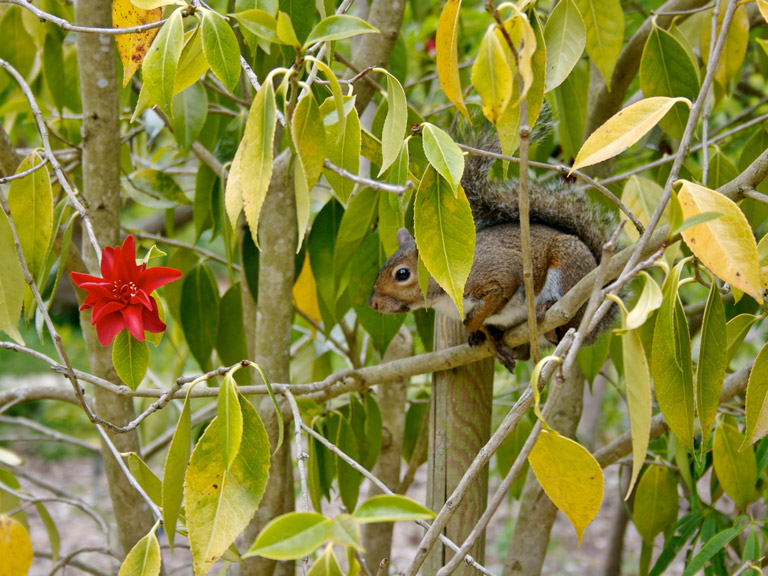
{"x":25,"y":173}
{"x":179,"y":244}
{"x":38,"y":115}
{"x":375,"y":184}
{"x":385,"y":489}
{"x":66,"y":25}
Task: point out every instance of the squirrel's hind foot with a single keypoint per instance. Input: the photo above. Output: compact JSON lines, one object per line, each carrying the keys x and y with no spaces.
{"x":476,"y":338}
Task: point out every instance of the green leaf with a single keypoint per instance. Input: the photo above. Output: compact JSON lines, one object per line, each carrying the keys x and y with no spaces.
{"x":756,"y":406}
{"x":260,"y":23}
{"x":205,"y":182}
{"x":147,"y":479}
{"x":220,"y":501}
{"x":445,"y":234}
{"x":192,"y":62}
{"x":321,"y":246}
{"x":161,"y":62}
{"x":200,"y":313}
{"x":373,"y":431}
{"x":349,"y":478}
{"x":736,"y":470}
{"x":190,"y":110}
{"x":565,"y":37}
{"x":671,"y":362}
{"x":604,"y":21}
{"x":230,"y":340}
{"x":736,"y":331}
{"x":570,"y":103}
{"x":308,"y":135}
{"x":50,"y":527}
{"x":710,"y":372}
{"x":221,"y":49}
{"x":326,"y":565}
{"x":155,"y":189}
{"x":343,"y":150}
{"x":656,"y":502}
{"x":338,"y":27}
{"x":395,"y":123}
{"x":443,"y":154}
{"x":684,"y":530}
{"x":666,"y":69}
{"x":391,"y":508}
{"x":345,"y":531}
{"x":144,"y":559}
{"x":11,"y":282}
{"x":18,"y":47}
{"x":720,"y":170}
{"x":711,"y":547}
{"x":130,"y":359}
{"x":591,"y":359}
{"x":230,"y":419}
{"x":31,"y":202}
{"x":175,"y":468}
{"x":291,"y":536}
{"x":53,"y":70}
{"x":356,"y":223}
{"x":285,"y":30}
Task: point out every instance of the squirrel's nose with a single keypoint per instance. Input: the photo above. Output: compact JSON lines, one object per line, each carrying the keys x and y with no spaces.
{"x":372,"y":303}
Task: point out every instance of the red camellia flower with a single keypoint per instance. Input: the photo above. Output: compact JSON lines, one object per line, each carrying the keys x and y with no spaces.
{"x":121,"y":298}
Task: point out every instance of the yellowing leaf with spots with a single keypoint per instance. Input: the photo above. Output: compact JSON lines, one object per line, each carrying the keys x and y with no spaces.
{"x":447,"y":54}
{"x":220,"y":499}
{"x":305,"y":293}
{"x":725,"y":245}
{"x":623,"y":129}
{"x":570,"y":476}
{"x":15,"y":548}
{"x":133,"y":47}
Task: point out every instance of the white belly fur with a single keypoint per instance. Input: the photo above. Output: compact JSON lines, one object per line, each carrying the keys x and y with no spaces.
{"x":514,"y":312}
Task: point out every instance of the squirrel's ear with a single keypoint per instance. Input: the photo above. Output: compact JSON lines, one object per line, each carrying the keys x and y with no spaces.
{"x":404,"y":237}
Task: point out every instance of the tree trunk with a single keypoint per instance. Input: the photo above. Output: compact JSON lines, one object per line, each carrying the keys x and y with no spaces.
{"x":101,"y":187}
{"x":377,"y":538}
{"x":528,"y":548}
{"x":460,"y":424}
{"x":270,"y":346}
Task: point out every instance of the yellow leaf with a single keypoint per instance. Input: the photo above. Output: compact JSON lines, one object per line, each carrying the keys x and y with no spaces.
{"x":523,"y":37}
{"x":604,"y":22}
{"x":641,"y":196}
{"x":734,"y":51}
{"x":638,"y":379}
{"x":133,"y":47}
{"x":233,"y":195}
{"x":447,"y":54}
{"x":725,"y":245}
{"x":491,"y":76}
{"x":650,"y":299}
{"x":305,"y":293}
{"x":762,"y":6}
{"x":736,"y":470}
{"x":15,"y":548}
{"x":570,"y":476}
{"x":624,"y":129}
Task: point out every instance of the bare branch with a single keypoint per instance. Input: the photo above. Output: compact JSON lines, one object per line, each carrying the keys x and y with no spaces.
{"x":375,"y":184}
{"x":66,"y":25}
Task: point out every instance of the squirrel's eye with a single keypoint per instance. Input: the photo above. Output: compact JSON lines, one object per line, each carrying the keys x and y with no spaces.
{"x":402,"y":274}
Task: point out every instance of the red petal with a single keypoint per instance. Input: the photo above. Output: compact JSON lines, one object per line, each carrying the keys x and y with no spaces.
{"x":102,"y":308}
{"x":132,"y":314}
{"x":79,"y":278}
{"x":108,"y":263}
{"x":109,"y":327}
{"x":152,"y":322}
{"x":152,"y":278}
{"x":141,"y":298}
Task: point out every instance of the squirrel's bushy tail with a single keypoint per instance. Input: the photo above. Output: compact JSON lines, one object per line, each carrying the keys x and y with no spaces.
{"x":555,"y":203}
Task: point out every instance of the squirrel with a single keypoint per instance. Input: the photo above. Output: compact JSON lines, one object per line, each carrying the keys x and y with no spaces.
{"x":567,"y":236}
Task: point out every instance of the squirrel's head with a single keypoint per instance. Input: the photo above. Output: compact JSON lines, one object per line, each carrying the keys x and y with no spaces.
{"x":397,"y":286}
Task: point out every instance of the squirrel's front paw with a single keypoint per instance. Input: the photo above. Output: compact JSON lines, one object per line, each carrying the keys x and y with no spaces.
{"x":476,"y":338}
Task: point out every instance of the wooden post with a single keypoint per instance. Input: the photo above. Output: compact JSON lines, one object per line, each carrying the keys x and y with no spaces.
{"x":460,"y":424}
